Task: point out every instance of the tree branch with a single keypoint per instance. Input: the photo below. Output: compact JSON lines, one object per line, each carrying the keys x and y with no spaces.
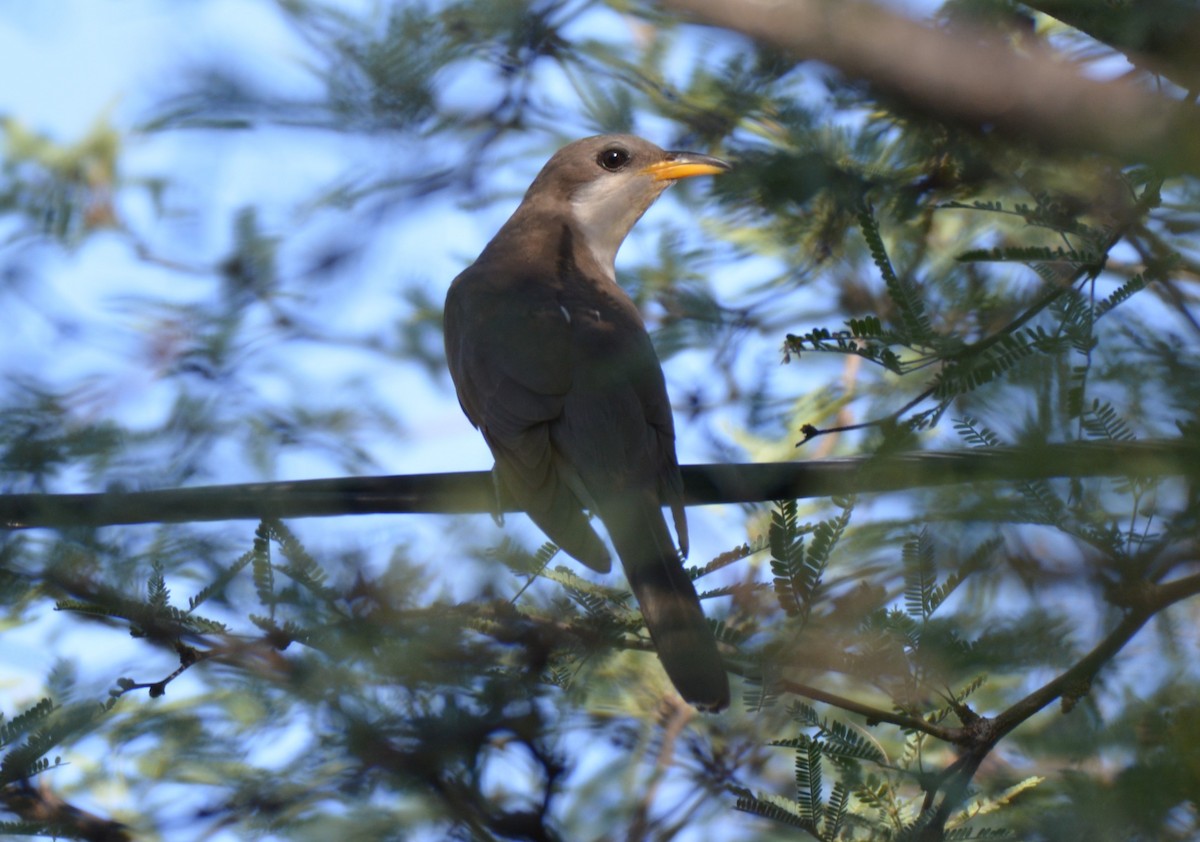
{"x":873,"y":715}
{"x":979,"y":737}
{"x":1076,"y":680}
{"x":1162,"y":36}
{"x":459,"y":493}
{"x":972,"y":77}
{"x":43,"y":807}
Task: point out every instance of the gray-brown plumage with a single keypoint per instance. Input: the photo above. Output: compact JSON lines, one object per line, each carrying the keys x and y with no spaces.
{"x":553,"y":364}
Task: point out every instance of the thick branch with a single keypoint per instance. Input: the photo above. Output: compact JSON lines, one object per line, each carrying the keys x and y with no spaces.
{"x":703,"y":485}
{"x":1077,"y":680}
{"x":974,"y":78}
{"x":1161,"y":35}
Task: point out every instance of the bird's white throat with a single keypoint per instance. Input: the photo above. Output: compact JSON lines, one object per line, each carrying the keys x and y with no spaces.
{"x":607,"y":208}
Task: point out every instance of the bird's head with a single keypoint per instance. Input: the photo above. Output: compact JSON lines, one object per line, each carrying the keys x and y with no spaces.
{"x":605,"y":183}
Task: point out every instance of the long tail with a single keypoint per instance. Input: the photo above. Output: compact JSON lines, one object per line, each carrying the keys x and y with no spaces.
{"x":668,"y":600}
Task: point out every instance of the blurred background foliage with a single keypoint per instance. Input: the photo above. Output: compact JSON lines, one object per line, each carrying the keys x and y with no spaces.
{"x":927,"y":282}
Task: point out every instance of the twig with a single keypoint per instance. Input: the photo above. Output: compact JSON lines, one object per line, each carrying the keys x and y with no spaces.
{"x":678,"y":716}
{"x":873,"y":715}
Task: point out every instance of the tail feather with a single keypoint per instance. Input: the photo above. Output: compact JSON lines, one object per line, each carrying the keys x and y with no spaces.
{"x":667,"y":597}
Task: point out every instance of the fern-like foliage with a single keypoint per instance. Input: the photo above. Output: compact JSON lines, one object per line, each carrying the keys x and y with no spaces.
{"x":281,"y":635}
{"x":808,"y":783}
{"x":262,"y":568}
{"x":1042,"y":504}
{"x":218,"y":585}
{"x":573,"y":582}
{"x":155,"y":618}
{"x":835,"y":739}
{"x":559,"y":675}
{"x":152,"y":618}
{"x":1103,"y":423}
{"x":727,"y":634}
{"x":24,"y":722}
{"x":825,"y":817}
{"x":808,"y":810}
{"x":544,"y":555}
{"x":836,"y":811}
{"x":1028,"y":254}
{"x":784,"y":811}
{"x":519,"y":560}
{"x":597,"y":605}
{"x":43,"y":728}
{"x":956,"y":702}
{"x":871,"y":345}
{"x":869,"y":327}
{"x":923,"y":595}
{"x":906,"y":295}
{"x":967,"y":372}
{"x":158,"y":595}
{"x":1120,"y":295}
{"x":976,"y":434}
{"x":920,"y":576}
{"x":986,"y":804}
{"x":828,"y":532}
{"x":877,"y":794}
{"x":1076,"y":320}
{"x":607,"y":612}
{"x":730,"y":557}
{"x":760,"y":693}
{"x":301,"y":567}
{"x":1047,"y":213}
{"x":798,"y":569}
{"x":786,"y":535}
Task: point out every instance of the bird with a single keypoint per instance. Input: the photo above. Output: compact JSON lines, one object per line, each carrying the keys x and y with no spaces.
{"x":552,"y":362}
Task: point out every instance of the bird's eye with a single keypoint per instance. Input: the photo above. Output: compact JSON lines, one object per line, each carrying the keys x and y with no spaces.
{"x":613,"y":159}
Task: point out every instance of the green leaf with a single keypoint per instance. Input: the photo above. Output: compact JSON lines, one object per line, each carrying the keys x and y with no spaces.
{"x":1101,"y":422}
{"x":157,"y":593}
{"x":1120,"y":295}
{"x":264,"y":573}
{"x":218,"y":585}
{"x":836,"y":811}
{"x":776,"y":808}
{"x":975,"y":434}
{"x":905,"y":294}
{"x":786,"y":538}
{"x":920,"y":575}
{"x":25,"y":721}
{"x":809,"y":797}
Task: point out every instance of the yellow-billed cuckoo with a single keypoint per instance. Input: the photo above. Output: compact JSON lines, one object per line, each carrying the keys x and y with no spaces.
{"x":553,"y":364}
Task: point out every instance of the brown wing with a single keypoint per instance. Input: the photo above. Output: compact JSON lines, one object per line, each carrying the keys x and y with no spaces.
{"x":509,"y":350}
{"x":616,"y":426}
